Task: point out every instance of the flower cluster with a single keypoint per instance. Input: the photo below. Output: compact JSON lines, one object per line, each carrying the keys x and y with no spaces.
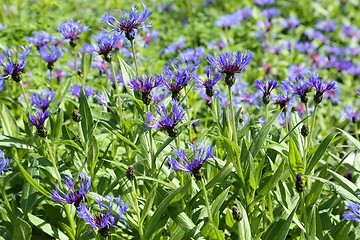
{"x":42,"y":100}
{"x":70,"y":30}
{"x":145,"y":85}
{"x":4,"y":163}
{"x":106,"y":43}
{"x":15,"y":65}
{"x":38,"y":120}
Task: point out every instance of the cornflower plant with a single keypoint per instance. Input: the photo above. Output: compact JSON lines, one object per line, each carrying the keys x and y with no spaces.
{"x":145,"y":85}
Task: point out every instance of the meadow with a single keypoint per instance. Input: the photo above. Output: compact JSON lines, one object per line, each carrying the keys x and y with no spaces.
{"x":179,"y":119}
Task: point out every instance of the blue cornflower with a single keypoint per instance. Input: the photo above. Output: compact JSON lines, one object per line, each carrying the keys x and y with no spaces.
{"x":193,"y":165}
{"x":43,"y":99}
{"x":41,"y":39}
{"x":192,"y":55}
{"x":211,"y":80}
{"x":144,"y":85}
{"x":38,"y":121}
{"x":266,"y":89}
{"x":167,"y":121}
{"x":227,"y":21}
{"x":106,"y":43}
{"x":326,"y":25}
{"x":13,"y":68}
{"x":270,"y":13}
{"x":290,"y":23}
{"x":50,"y":54}
{"x":129,"y":22}
{"x":178,"y":74}
{"x":351,"y":113}
{"x":230,"y":63}
{"x":76,"y":90}
{"x":354,"y":212}
{"x":72,"y":195}
{"x":299,"y":185}
{"x":4,"y":163}
{"x":159,"y":94}
{"x":174,"y":47}
{"x":305,"y":47}
{"x":300,"y":87}
{"x":264,"y":3}
{"x":101,"y":99}
{"x":320,"y":87}
{"x":71,"y":30}
{"x":283,"y":98}
{"x":358,"y":92}
{"x":111,"y":212}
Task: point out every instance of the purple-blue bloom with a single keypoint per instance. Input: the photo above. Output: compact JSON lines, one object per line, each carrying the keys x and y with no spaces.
{"x":167,"y":121}
{"x":305,"y":47}
{"x":101,"y":99}
{"x":300,"y":87}
{"x":72,"y":195}
{"x":192,"y":55}
{"x":106,"y":43}
{"x":41,"y":39}
{"x":13,"y":68}
{"x":43,"y":99}
{"x":129,"y":22}
{"x":38,"y":121}
{"x":76,"y":90}
{"x":193,"y":164}
{"x":351,"y":113}
{"x":178,"y":74}
{"x":4,"y":163}
{"x":353,"y":214}
{"x":230,"y":63}
{"x":71,"y":30}
{"x":290,"y":23}
{"x":111,"y":213}
{"x":211,"y":80}
{"x":50,"y":54}
{"x":266,"y":88}
{"x":358,"y":92}
{"x":270,"y":13}
{"x":174,"y":47}
{"x":264,"y":3}
{"x":326,"y":25}
{"x":320,"y":87}
{"x":145,"y":84}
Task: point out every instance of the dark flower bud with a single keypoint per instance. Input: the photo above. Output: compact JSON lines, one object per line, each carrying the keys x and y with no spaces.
{"x":318,"y":97}
{"x":175,"y":95}
{"x":299,"y":184}
{"x":236,"y":213}
{"x":304,"y":130}
{"x":76,"y":116}
{"x":172,"y":133}
{"x":229,"y":79}
{"x":146,"y":98}
{"x":209,"y":92}
{"x":42,"y":132}
{"x":130,"y":173}
{"x":197,"y":174}
{"x":266,"y":99}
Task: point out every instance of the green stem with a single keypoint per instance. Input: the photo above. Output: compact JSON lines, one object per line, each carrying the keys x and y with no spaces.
{"x":356,"y":131}
{"x":206,"y":199}
{"x":270,"y":207}
{"x":134,"y":56}
{"x":312,"y":126}
{"x":152,"y":159}
{"x":6,"y":200}
{"x":53,"y":161}
{"x":25,"y":98}
{"x":135,"y":200}
{"x":70,"y":219}
{"x":304,"y":214}
{"x":52,"y":81}
{"x":234,"y":134}
{"x":75,"y":60}
{"x":117,"y":90}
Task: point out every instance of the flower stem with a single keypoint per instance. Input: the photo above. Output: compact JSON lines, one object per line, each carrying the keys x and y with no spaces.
{"x":152,"y":159}
{"x":304,"y":214}
{"x":117,"y":90}
{"x":206,"y":199}
{"x":70,"y":219}
{"x":53,"y":161}
{"x":356,"y":131}
{"x":234,"y":134}
{"x":134,"y":56}
{"x":25,"y":98}
{"x":6,"y":200}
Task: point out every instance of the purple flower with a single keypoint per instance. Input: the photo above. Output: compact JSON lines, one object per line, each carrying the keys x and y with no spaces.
{"x":129,"y":22}
{"x":4,"y":163}
{"x":71,"y":30}
{"x":358,"y":92}
{"x":290,"y":23}
{"x":76,"y":90}
{"x":178,"y":74}
{"x":193,"y":165}
{"x":41,"y":39}
{"x":353,"y":214}
{"x":106,"y":43}
{"x":350,"y":31}
{"x":230,"y":63}
{"x":300,"y":87}
{"x":218,"y":45}
{"x":320,"y":87}
{"x":299,"y":185}
{"x":14,"y":68}
{"x":264,"y":3}
{"x":192,"y":55}
{"x":174,"y":47}
{"x":50,"y":54}
{"x":43,"y":99}
{"x":350,"y":112}
{"x":159,"y":94}
{"x":211,"y":80}
{"x":72,"y":195}
{"x":2,"y":83}
{"x":226,"y":21}
{"x":270,"y":13}
{"x":145,"y":85}
{"x":167,"y":121}
{"x":119,"y":79}
{"x":283,"y":98}
{"x":305,"y":47}
{"x":326,"y":25}
{"x":312,"y":34}
{"x":101,"y":99}
{"x":38,"y":121}
{"x":111,"y":212}
{"x":266,"y":89}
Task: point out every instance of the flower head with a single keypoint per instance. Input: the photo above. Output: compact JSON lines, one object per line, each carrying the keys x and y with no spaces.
{"x":129,"y":22}
{"x":111,"y":212}
{"x":43,"y":99}
{"x":101,"y":99}
{"x":193,"y":165}
{"x":145,"y":85}
{"x":300,"y":87}
{"x":230,"y":63}
{"x":50,"y":54}
{"x":353,"y":214}
{"x":320,"y":87}
{"x":106,"y":43}
{"x":41,"y":39}
{"x":264,"y":3}
{"x":76,"y":90}
{"x":38,"y":121}
{"x":266,"y":89}
{"x":15,"y":65}
{"x":72,"y":195}
{"x":167,"y":121}
{"x":70,"y":30}
{"x":4,"y":163}
{"x":358,"y":92}
{"x":351,"y":113}
{"x":211,"y":80}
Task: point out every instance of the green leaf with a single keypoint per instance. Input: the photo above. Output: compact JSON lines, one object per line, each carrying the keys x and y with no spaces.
{"x":6,"y":141}
{"x":212,"y":233}
{"x":22,"y":230}
{"x":319,"y":152}
{"x":47,"y":228}
{"x":221,"y":175}
{"x":219,"y":200}
{"x":316,"y":189}
{"x":184,"y":222}
{"x":351,"y":138}
{"x":244,"y":224}
{"x":86,"y":117}
{"x":296,"y":164}
{"x":345,"y":183}
{"x":127,"y":74}
{"x":8,"y":122}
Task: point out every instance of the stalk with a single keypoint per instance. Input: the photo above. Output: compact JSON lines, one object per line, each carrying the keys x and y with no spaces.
{"x":70,"y":219}
{"x":6,"y":200}
{"x":134,"y":56}
{"x":53,"y":161}
{"x":25,"y":98}
{"x":206,"y":199}
{"x":234,"y":134}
